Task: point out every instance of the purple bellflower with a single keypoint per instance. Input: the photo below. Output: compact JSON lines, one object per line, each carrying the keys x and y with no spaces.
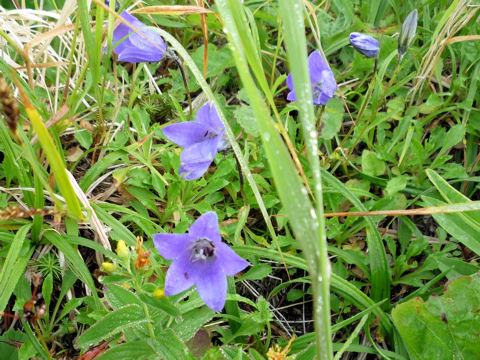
{"x":199,"y":258}
{"x":321,"y":77}
{"x":133,"y":47}
{"x":202,"y":139}
{"x":364,"y":44}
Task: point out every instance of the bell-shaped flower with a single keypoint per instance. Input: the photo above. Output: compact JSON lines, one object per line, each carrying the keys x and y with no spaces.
{"x":407,"y":33}
{"x":199,"y":258}
{"x":202,"y":139}
{"x":131,"y":46}
{"x":364,"y":44}
{"x":321,"y":77}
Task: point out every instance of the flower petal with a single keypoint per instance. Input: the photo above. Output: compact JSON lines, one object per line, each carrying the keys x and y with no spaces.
{"x":196,"y":159}
{"x":206,"y":226}
{"x":228,"y":259}
{"x":291,"y":95}
{"x":201,"y":151}
{"x":329,"y":85}
{"x":290,"y":82}
{"x":180,"y":276}
{"x":193,"y":171}
{"x":212,"y":285}
{"x":134,"y":55}
{"x":171,"y":246}
{"x":186,"y":133}
{"x":208,"y":116}
{"x":133,"y":47}
{"x":120,"y":37}
{"x":316,"y":65}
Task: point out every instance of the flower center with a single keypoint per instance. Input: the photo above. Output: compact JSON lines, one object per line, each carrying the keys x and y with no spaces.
{"x":202,"y":249}
{"x":210,"y":134}
{"x":317,"y":90}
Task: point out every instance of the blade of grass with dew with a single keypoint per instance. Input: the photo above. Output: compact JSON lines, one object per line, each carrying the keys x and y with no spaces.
{"x":13,"y":266}
{"x":53,"y":156}
{"x":291,"y":13}
{"x":291,"y":191}
{"x":228,"y":130}
{"x":379,"y":268}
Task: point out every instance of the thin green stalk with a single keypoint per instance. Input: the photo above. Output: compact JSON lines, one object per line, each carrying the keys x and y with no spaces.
{"x":377,"y":106}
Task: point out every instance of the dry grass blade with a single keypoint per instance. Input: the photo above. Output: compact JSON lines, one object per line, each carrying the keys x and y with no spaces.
{"x":203,"y":19}
{"x":172,"y":10}
{"x":459,"y":17}
{"x":447,"y":209}
{"x":95,"y":221}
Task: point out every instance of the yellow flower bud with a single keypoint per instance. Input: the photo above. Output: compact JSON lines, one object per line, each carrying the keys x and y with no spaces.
{"x":159,"y":294}
{"x":108,"y":267}
{"x":122,"y":249}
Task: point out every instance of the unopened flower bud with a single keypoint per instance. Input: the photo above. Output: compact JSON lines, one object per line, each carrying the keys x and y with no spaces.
{"x":108,"y":267}
{"x":364,"y":44}
{"x":122,"y":249}
{"x":407,"y":33}
{"x":159,"y":294}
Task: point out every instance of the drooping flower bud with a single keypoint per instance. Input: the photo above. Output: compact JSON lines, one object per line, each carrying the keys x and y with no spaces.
{"x":407,"y":33}
{"x":364,"y":44}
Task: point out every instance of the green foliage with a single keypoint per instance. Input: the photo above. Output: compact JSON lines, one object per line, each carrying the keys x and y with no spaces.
{"x":395,"y":137}
{"x":443,"y":327}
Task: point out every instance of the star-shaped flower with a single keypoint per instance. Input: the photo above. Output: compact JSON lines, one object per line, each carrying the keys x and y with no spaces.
{"x":199,"y":258}
{"x":321,"y":77}
{"x":133,"y":47}
{"x":364,"y":44}
{"x":202,"y":139}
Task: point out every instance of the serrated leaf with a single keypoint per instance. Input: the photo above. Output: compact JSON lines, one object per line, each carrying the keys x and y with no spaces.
{"x":111,"y":324}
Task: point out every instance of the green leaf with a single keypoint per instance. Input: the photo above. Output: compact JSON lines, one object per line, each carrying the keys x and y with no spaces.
{"x":445,"y":327}
{"x":396,"y":184}
{"x":371,"y":164}
{"x":138,"y":350}
{"x":257,"y":272}
{"x":117,"y":296}
{"x":191,"y":322}
{"x":114,"y":322}
{"x":332,"y":119}
{"x":47,"y":289}
{"x":13,"y":266}
{"x":246,"y":118}
{"x":453,"y":137}
{"x":456,"y":225}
